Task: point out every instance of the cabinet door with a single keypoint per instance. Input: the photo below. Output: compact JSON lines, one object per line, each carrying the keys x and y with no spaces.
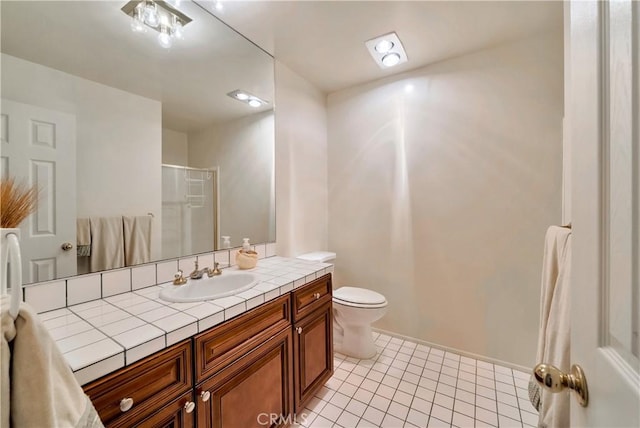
{"x":180,"y":413}
{"x":254,"y":391}
{"x":313,"y":353}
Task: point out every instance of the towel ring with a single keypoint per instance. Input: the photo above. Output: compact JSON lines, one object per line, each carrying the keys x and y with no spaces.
{"x":14,"y":257}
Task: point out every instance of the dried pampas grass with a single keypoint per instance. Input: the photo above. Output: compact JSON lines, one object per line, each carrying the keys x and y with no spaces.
{"x":17,"y":201}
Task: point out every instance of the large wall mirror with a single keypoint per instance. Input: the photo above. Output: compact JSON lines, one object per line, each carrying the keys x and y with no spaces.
{"x":140,"y":152}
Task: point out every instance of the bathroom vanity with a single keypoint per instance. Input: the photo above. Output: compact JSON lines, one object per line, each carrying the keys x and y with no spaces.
{"x":257,"y":369}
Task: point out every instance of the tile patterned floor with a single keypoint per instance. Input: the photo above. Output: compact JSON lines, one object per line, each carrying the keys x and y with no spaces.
{"x":412,"y":385}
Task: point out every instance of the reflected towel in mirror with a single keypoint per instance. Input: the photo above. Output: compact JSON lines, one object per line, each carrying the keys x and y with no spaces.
{"x":137,"y":239}
{"x":107,"y":243}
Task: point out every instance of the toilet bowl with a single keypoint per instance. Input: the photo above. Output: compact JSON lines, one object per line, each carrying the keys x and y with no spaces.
{"x":354,"y":310}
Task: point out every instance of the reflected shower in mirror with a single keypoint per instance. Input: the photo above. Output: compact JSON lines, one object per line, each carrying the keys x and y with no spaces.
{"x":138,"y":151}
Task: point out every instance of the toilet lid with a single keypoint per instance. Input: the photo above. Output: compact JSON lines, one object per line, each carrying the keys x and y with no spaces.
{"x":360,"y":296}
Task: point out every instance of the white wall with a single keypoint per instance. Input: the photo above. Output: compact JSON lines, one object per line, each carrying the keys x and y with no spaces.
{"x":301,"y":165}
{"x":243,"y":151}
{"x":118,"y":139}
{"x":175,"y":149}
{"x":439,"y":198}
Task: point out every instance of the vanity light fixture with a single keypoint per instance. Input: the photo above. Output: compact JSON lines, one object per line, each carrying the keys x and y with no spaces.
{"x":158,"y":15}
{"x":248,"y":98}
{"x":387,"y":50}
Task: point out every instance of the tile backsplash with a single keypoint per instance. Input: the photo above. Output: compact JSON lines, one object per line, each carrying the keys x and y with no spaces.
{"x":51,"y":295}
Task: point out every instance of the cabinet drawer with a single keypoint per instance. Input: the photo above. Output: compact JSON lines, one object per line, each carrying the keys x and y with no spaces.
{"x":225,"y":343}
{"x":150,"y":381}
{"x":174,"y":415}
{"x":312,"y":296}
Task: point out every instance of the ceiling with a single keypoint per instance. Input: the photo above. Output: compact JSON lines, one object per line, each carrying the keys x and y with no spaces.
{"x":324,"y":40}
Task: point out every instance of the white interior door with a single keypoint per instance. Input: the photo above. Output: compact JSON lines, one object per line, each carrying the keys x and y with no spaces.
{"x":39,"y":148}
{"x":603,"y":109}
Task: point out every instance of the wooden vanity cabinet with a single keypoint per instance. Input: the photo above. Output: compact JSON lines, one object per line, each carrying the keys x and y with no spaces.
{"x":255,"y":370}
{"x":313,"y":339}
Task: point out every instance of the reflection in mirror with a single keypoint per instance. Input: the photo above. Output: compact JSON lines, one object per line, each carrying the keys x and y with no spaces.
{"x":138,"y":151}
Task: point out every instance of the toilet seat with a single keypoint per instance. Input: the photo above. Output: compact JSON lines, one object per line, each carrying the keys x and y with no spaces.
{"x":359,"y":298}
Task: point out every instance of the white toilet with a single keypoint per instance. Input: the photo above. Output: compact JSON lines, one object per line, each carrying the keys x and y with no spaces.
{"x":354,"y":310}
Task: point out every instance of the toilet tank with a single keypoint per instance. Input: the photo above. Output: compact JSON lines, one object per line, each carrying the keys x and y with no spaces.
{"x":318,"y":256}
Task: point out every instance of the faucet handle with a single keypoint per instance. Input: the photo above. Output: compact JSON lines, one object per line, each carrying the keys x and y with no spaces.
{"x":215,"y":271}
{"x":178,"y":279}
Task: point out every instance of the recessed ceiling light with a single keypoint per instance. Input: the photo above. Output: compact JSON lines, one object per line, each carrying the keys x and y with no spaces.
{"x":391,"y":59}
{"x":248,"y":98}
{"x":387,"y":50}
{"x":384,"y":46}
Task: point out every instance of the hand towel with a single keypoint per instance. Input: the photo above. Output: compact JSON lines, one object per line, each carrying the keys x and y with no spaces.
{"x":554,"y":335}
{"x":107,"y":243}
{"x":38,"y":387}
{"x":137,"y":239}
{"x":83,"y":237}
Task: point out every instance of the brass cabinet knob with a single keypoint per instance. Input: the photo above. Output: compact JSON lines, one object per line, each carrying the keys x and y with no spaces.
{"x":299,"y":330}
{"x":316,"y":295}
{"x":555,"y":380}
{"x":204,"y":395}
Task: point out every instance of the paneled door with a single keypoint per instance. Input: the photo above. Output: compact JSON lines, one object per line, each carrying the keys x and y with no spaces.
{"x":39,"y":148}
{"x":604,"y":117}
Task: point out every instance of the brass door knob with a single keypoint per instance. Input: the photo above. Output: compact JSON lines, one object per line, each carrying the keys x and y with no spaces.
{"x":555,"y":380}
{"x":67,"y":246}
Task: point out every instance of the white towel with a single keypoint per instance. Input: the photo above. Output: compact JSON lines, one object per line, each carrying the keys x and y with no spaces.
{"x":107,"y":243}
{"x":137,"y":240}
{"x":554,"y":336}
{"x":38,"y":387}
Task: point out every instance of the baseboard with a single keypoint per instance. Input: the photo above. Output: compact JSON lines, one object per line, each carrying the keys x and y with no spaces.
{"x":456,"y":351}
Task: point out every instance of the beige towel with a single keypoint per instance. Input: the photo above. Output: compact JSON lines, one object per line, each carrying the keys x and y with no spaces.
{"x":137,"y":240}
{"x":107,"y":243}
{"x":83,"y":237}
{"x":38,"y":387}
{"x":554,"y":336}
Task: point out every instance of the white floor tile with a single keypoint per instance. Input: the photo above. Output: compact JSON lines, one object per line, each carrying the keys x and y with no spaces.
{"x":412,"y":385}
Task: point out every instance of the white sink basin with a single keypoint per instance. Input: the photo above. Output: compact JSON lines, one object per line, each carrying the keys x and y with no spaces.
{"x":196,"y":290}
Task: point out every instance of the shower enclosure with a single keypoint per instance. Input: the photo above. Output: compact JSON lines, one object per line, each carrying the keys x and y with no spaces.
{"x":189,"y":210}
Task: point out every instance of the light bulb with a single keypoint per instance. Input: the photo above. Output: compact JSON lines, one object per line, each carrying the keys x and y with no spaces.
{"x":164,"y":38}
{"x":242,"y":96}
{"x":177,"y":28}
{"x":390,"y":60}
{"x":137,"y":20}
{"x":255,"y":103}
{"x":384,"y":46}
{"x":174,"y":3}
{"x":219,"y":6}
{"x":151,"y":15}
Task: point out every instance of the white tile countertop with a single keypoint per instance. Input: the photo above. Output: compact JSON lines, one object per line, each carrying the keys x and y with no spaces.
{"x":103,"y":335}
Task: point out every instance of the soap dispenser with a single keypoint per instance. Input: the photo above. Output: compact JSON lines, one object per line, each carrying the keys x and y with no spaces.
{"x":226,"y":242}
{"x":245,"y":244}
{"x":246,"y":258}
